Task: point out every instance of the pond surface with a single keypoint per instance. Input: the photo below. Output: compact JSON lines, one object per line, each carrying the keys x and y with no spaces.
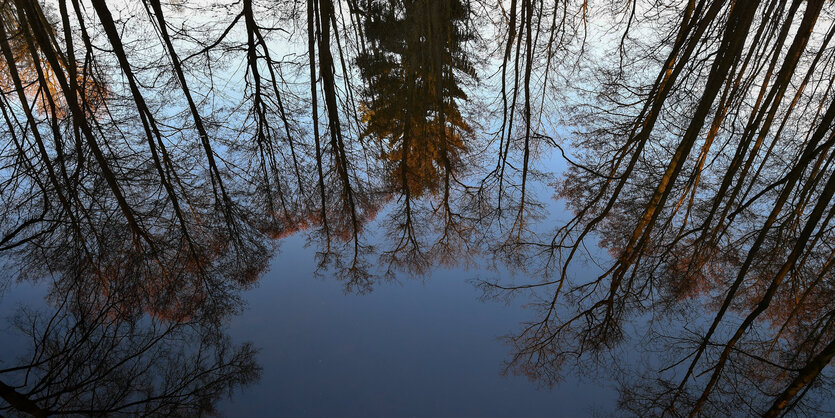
{"x":428,"y":347}
{"x":417,"y":208}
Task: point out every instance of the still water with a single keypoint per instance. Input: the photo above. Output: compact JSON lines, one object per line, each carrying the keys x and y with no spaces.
{"x":417,"y":208}
{"x":417,"y":348}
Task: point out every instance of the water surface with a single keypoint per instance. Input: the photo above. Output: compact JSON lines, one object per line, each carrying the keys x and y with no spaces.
{"x":417,"y":208}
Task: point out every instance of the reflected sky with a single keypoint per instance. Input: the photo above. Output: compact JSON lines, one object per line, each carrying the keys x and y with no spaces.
{"x":415,"y":207}
{"x":427,"y":347}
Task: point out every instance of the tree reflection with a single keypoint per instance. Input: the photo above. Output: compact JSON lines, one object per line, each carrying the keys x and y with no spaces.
{"x":150,"y":193}
{"x":413,"y":66}
{"x":138,"y":289}
{"x":413,"y":63}
{"x":708,"y":183}
{"x":90,"y":355}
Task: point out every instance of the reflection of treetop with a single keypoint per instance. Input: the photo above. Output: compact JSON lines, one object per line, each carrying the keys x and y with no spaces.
{"x":412,"y":64}
{"x":35,"y":76}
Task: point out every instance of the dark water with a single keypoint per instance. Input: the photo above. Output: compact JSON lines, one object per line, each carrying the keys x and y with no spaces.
{"x":417,"y":208}
{"x":418,"y":348}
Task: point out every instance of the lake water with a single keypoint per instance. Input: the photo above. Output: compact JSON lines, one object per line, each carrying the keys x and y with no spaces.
{"x":417,"y":208}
